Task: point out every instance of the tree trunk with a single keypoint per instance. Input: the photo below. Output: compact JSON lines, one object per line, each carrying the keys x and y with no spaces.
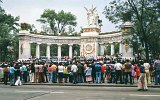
{"x":146,"y":47}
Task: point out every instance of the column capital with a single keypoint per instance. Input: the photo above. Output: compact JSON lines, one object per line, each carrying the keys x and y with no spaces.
{"x":49,"y":44}
{"x":38,"y":43}
{"x":59,"y":44}
{"x":30,"y":42}
{"x":101,"y":43}
{"x":70,"y":44}
{"x":120,"y":41}
{"x":111,"y":42}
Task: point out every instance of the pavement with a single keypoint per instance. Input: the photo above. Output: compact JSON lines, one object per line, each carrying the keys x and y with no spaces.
{"x":49,"y":92}
{"x":89,"y":85}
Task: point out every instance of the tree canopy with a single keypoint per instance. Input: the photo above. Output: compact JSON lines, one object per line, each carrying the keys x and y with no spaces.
{"x":144,"y":14}
{"x":57,"y":21}
{"x":8,"y":37}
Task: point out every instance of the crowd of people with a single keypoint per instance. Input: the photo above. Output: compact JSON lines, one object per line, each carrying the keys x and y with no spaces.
{"x":94,"y":71}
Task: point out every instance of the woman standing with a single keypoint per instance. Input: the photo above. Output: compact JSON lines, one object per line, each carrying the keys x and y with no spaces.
{"x":137,"y":70}
{"x":133,"y":73}
{"x":6,"y":73}
{"x":142,"y":82}
{"x":60,"y":73}
{"x":88,"y":74}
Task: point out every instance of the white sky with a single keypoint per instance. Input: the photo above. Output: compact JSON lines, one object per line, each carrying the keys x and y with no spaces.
{"x":30,"y":10}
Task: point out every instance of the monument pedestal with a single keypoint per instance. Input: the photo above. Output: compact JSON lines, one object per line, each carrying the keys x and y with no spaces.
{"x":89,"y":41}
{"x":91,"y":30}
{"x":89,"y":49}
{"x":127,"y":52}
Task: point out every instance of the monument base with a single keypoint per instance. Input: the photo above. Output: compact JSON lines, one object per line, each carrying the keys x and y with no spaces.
{"x":91,"y":31}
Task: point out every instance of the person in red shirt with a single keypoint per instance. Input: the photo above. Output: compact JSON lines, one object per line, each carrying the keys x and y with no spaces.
{"x":103,"y":72}
{"x":137,"y":70}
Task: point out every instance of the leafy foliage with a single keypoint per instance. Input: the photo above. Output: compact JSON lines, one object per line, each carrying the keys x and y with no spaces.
{"x":57,"y":21}
{"x":144,"y":15}
{"x":8,"y":37}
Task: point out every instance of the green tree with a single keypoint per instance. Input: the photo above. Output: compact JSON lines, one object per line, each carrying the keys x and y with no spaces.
{"x":143,"y":14}
{"x":8,"y":37}
{"x":57,"y":21}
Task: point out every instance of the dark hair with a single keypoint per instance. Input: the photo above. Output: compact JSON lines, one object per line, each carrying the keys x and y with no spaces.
{"x":60,"y":63}
{"x":127,"y":60}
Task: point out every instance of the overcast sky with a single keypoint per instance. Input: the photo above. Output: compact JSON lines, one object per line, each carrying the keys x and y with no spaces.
{"x":30,"y":10}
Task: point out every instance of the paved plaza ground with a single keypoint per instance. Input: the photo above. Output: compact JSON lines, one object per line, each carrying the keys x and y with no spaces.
{"x":51,"y":92}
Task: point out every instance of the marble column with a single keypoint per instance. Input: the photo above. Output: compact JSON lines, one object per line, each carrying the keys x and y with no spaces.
{"x":59,"y":51}
{"x":48,"y":50}
{"x":120,"y":48}
{"x":112,"y":49}
{"x":37,"y":50}
{"x":20,"y":49}
{"x":101,"y":49}
{"x":70,"y":51}
{"x":81,"y":50}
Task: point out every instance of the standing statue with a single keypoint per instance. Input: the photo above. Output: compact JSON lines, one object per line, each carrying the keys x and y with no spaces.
{"x":92,"y":16}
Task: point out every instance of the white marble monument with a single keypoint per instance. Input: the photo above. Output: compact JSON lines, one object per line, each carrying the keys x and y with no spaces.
{"x":91,"y":41}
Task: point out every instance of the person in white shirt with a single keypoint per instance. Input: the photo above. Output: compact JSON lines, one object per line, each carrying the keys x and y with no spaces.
{"x":118,"y":71}
{"x":147,"y":66}
{"x":60,"y":73}
{"x":74,"y":69}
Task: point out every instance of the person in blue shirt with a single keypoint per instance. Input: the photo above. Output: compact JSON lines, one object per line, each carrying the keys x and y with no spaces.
{"x":98,"y":72}
{"x":25,"y":72}
{"x":12,"y":74}
{"x":157,"y":71}
{"x":142,"y":82}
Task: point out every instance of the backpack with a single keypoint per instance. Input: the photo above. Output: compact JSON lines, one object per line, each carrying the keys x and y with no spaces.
{"x":98,"y":68}
{"x":5,"y":70}
{"x":142,"y":69}
{"x":65,"y":70}
{"x":128,"y":67}
{"x":50,"y":69}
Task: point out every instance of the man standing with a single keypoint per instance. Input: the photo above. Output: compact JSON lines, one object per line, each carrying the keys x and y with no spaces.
{"x":54,"y":73}
{"x":74,"y":69}
{"x":147,"y":66}
{"x":93,"y":71}
{"x":18,"y":74}
{"x":118,"y":71}
{"x":32,"y":72}
{"x":6,"y":72}
{"x":157,"y":71}
{"x":24,"y":70}
{"x":98,"y":72}
{"x":127,"y":68}
{"x":80,"y":72}
{"x":11,"y":74}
